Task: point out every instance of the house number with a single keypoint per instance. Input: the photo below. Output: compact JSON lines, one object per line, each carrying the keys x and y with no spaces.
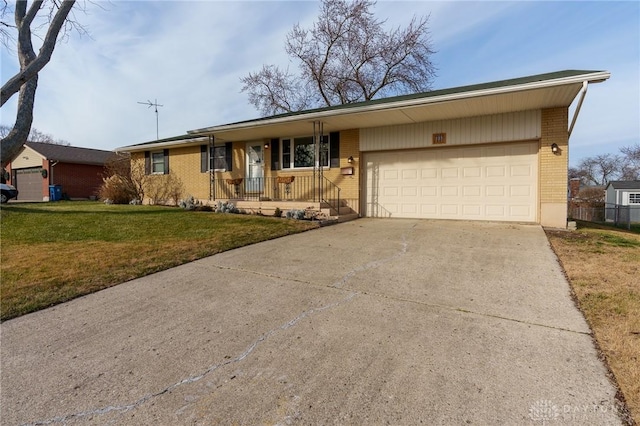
{"x":439,"y":138}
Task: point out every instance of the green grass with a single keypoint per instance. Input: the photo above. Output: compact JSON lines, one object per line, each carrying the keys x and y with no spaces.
{"x":53,"y":252}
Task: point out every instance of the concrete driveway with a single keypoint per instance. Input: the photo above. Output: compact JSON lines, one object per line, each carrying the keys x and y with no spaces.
{"x":366,"y":322}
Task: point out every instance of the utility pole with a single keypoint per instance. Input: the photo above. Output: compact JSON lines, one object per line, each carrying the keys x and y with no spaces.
{"x":156,"y":105}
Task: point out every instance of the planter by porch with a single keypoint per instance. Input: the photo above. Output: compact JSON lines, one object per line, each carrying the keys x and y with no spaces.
{"x":236,"y":181}
{"x":285,"y":179}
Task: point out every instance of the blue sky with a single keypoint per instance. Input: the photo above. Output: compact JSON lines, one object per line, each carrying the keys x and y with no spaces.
{"x":190,"y":56}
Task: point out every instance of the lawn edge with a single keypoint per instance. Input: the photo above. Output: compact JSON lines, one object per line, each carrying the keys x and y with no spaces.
{"x":621,"y":403}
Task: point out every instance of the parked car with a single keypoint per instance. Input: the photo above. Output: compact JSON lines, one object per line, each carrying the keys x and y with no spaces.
{"x":7,"y":192}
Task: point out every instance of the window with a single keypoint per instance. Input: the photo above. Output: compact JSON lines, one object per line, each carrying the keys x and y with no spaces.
{"x":218,"y":158}
{"x":299,"y":152}
{"x":157,"y":162}
{"x":634,"y":198}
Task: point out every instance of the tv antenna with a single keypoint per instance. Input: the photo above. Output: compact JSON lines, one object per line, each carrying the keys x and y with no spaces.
{"x":156,"y":105}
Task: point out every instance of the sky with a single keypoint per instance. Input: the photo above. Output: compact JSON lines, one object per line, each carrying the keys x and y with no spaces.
{"x":191,"y":55}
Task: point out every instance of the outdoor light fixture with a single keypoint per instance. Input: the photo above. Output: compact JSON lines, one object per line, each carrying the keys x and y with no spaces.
{"x":554,"y":148}
{"x":350,"y":160}
{"x":266,"y":145}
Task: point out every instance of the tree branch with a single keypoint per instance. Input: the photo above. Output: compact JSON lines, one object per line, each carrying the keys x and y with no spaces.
{"x":31,"y":68}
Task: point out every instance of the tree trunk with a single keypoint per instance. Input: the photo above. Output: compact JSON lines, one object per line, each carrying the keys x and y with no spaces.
{"x":12,"y":143}
{"x":26,"y":80}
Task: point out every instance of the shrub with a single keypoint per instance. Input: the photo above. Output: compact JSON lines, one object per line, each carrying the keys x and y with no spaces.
{"x":116,"y":190}
{"x":226,"y":207}
{"x":189,"y":204}
{"x":277,"y":212}
{"x":164,"y":189}
{"x":124,"y":181}
{"x":296,"y":214}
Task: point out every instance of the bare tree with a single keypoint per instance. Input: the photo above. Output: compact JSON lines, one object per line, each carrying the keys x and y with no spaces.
{"x":346,"y":57}
{"x":25,"y":81}
{"x":35,"y":136}
{"x":598,"y":170}
{"x":631,"y":162}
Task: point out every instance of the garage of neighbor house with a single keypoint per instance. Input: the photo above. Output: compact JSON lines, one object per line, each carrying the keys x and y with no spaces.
{"x":490,"y":151}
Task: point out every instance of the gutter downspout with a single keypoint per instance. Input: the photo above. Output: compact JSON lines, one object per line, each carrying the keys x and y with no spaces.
{"x":583,"y":93}
{"x":51,"y":166}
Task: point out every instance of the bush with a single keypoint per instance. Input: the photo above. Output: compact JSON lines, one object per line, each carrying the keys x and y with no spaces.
{"x":164,"y":189}
{"x":226,"y":207}
{"x":116,"y":190}
{"x":277,"y":212}
{"x":189,"y":204}
{"x":296,"y":214}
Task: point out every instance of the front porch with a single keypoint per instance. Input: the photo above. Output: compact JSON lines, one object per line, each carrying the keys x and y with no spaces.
{"x":266,"y":194}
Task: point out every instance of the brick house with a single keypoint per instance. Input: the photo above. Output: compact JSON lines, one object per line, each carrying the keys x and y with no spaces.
{"x":78,"y":171}
{"x":493,"y":151}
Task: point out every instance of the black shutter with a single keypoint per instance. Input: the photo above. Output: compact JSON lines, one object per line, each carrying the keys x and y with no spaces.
{"x":166,"y":161}
{"x":228,"y":157}
{"x":147,"y":163}
{"x":334,"y":149}
{"x":275,"y":154}
{"x":204,"y":158}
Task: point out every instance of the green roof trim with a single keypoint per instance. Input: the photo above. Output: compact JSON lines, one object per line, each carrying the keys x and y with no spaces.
{"x":424,"y":95}
{"x":166,"y":140}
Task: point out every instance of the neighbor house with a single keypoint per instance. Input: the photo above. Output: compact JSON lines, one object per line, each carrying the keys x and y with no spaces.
{"x":495,"y":151}
{"x":624,"y":194}
{"x":77,"y":171}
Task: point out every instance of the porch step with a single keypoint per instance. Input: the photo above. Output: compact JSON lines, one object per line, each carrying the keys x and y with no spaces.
{"x":342,"y":210}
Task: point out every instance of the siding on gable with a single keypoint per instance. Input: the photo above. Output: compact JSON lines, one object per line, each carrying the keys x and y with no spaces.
{"x":509,"y":127}
{"x":27,"y":158}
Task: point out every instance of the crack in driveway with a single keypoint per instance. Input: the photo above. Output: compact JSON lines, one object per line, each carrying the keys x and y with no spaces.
{"x":195,"y":378}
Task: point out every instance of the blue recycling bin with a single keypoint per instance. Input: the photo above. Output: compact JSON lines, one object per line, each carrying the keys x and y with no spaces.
{"x":55,"y":192}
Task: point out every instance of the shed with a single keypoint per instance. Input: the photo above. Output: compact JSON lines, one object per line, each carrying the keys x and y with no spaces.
{"x":625,"y":193}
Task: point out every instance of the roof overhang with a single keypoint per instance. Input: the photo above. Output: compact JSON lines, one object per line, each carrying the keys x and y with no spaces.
{"x":547,"y":91}
{"x":166,"y":143}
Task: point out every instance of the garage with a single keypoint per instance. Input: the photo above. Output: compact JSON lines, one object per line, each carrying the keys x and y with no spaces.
{"x":488,"y":182}
{"x":29,"y":184}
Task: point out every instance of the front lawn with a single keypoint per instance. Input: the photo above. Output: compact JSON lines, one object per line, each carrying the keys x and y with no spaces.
{"x":603,"y":267}
{"x":54,"y":252}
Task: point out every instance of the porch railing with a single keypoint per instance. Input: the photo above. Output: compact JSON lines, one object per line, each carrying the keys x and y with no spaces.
{"x":281,"y":188}
{"x":330,"y":194}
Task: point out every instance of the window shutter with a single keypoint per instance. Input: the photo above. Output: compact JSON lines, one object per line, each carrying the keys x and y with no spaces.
{"x":275,"y":154}
{"x":204,"y":158}
{"x":166,"y":161}
{"x":334,"y":149}
{"x":147,"y":163}
{"x":228,"y":156}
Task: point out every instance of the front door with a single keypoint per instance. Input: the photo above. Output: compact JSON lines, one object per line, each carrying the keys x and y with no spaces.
{"x":255,"y":167}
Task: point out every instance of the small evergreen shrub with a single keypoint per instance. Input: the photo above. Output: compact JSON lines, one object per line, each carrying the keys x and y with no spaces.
{"x":296,"y":214}
{"x":226,"y":207}
{"x":189,"y":203}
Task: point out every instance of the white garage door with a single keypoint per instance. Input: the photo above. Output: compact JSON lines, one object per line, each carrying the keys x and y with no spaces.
{"x":493,"y":182}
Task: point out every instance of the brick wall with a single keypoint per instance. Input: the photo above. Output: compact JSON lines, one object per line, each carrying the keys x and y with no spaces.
{"x":77,"y":180}
{"x":553,"y":167}
{"x":349,"y":184}
{"x":184,"y":162}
